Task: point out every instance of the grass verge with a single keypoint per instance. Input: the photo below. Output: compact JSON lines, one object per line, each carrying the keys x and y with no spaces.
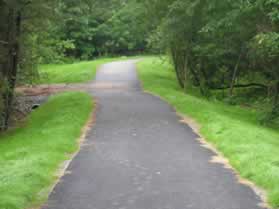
{"x":30,"y":155}
{"x":72,"y":73}
{"x":252,"y":149}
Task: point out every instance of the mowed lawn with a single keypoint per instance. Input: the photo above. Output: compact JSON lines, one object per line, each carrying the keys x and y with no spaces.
{"x":72,"y":73}
{"x":30,"y":155}
{"x":251,"y":148}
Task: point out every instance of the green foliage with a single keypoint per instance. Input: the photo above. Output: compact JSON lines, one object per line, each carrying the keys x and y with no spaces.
{"x":54,"y":51}
{"x":235,"y":131}
{"x":98,"y":28}
{"x":221,"y":44}
{"x":123,"y":32}
{"x":22,"y":25}
{"x":30,"y":155}
{"x":59,"y":31}
{"x":37,"y":19}
{"x":265,"y":54}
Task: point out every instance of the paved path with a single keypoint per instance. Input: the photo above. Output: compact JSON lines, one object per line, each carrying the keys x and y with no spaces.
{"x":139,"y":156}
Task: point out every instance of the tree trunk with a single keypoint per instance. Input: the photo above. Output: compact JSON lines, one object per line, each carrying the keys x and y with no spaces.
{"x":195,"y":75}
{"x":234,"y":76}
{"x":10,"y":73}
{"x":176,"y":62}
{"x":276,"y":100}
{"x":185,"y":71}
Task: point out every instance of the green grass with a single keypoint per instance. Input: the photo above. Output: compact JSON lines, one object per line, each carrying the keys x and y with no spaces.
{"x":72,"y":73}
{"x":30,"y":155}
{"x":252,"y":149}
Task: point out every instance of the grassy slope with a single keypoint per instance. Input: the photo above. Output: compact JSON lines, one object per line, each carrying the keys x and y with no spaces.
{"x":71,"y":73}
{"x":30,"y":155}
{"x":252,"y":149}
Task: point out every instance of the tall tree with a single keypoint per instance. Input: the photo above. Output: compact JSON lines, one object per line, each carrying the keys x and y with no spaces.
{"x":21,"y":21}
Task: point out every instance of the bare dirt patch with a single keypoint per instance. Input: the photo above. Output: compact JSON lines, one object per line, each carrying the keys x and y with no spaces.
{"x":28,"y":97}
{"x":51,"y":89}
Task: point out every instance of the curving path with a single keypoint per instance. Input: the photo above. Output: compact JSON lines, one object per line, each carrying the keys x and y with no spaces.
{"x":139,"y":156}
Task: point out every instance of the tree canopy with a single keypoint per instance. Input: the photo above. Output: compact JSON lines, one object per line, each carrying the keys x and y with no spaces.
{"x":214,"y":45}
{"x":221,"y":44}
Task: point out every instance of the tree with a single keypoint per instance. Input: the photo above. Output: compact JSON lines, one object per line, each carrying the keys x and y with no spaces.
{"x":10,"y":36}
{"x":20,"y":20}
{"x":220,"y":44}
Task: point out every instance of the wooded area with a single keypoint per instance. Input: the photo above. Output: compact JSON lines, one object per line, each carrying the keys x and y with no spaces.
{"x":57,"y":31}
{"x":214,"y":45}
{"x":222,"y":44}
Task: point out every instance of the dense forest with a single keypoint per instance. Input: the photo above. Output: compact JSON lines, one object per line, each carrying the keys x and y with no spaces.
{"x":222,"y":45}
{"x":217,"y":47}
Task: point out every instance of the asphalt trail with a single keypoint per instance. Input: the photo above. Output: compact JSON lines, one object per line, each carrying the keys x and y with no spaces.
{"x":139,"y":156}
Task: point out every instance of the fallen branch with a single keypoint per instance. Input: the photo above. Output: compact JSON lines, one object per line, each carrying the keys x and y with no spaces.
{"x":4,"y":42}
{"x":242,"y":86}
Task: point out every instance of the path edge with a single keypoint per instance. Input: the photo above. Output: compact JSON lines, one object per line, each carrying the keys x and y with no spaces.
{"x":218,"y":158}
{"x":63,"y":166}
